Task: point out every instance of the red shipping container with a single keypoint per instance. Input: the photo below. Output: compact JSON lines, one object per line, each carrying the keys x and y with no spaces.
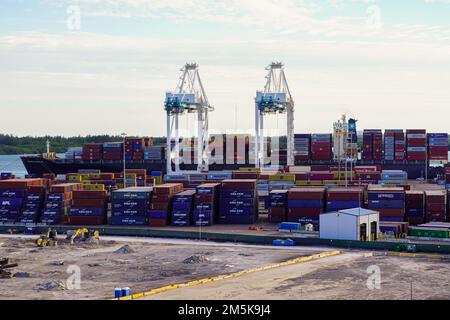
{"x":306,"y":194}
{"x":85,"y":221}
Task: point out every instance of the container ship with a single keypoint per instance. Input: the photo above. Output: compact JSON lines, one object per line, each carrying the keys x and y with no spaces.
{"x":413,"y":151}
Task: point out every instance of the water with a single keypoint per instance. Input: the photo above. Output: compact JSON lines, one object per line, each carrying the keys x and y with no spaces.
{"x":13,"y":163}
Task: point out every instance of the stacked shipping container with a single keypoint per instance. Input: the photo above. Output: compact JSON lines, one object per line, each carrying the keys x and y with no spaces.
{"x":92,"y":152}
{"x":302,"y":147}
{"x":390,"y":203}
{"x":58,"y":202}
{"x":436,"y":206}
{"x":416,"y":141}
{"x":341,"y":199}
{"x":306,"y":204}
{"x":278,"y":206}
{"x":182,"y":208}
{"x":238,"y":202}
{"x":130,"y":206}
{"x":415,"y":207}
{"x":88,"y":207}
{"x":438,"y":146}
{"x":13,"y":193}
{"x":394,"y":145}
{"x":321,"y":147}
{"x":206,"y":204}
{"x":113,"y":151}
{"x":32,"y":207}
{"x":372,"y":145}
{"x":161,"y":204}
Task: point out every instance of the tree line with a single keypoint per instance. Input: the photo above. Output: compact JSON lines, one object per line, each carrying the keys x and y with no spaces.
{"x":10,"y":144}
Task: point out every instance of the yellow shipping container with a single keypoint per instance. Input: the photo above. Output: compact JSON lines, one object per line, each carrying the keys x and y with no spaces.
{"x":282,"y":177}
{"x":94,"y":187}
{"x":342,"y":174}
{"x":130,"y":176}
{"x":250,"y":169}
{"x":76,"y":178}
{"x":301,"y":182}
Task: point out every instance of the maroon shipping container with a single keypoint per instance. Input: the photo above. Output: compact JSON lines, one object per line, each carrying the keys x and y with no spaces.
{"x":88,"y":194}
{"x":243,"y":184}
{"x":85,"y":221}
{"x":391,"y":212}
{"x":436,"y":205}
{"x":162,"y":197}
{"x":304,"y":212}
{"x":277,"y":215}
{"x":306,"y":194}
{"x":317,"y":176}
{"x":157,"y":222}
{"x":345,"y":194}
{"x":245,"y":175}
{"x":88,"y":203}
{"x":168,"y":188}
{"x":161,"y":206}
{"x":414,"y":221}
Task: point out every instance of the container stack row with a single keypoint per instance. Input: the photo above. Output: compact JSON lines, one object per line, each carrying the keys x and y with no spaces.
{"x":89,"y":207}
{"x":130,"y":206}
{"x":390,"y":203}
{"x":372,"y":145}
{"x":321,"y":147}
{"x":416,"y":141}
{"x":161,"y":204}
{"x":394,"y":145}
{"x":206,"y":204}
{"x":58,"y":202}
{"x":238,"y":202}
{"x":438,"y":146}
{"x":305,"y":205}
{"x":182,"y":208}
{"x":436,"y":206}
{"x":302,"y":147}
{"x":415,"y":207}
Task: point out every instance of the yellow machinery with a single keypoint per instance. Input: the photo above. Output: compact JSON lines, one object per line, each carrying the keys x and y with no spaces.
{"x":82,"y":234}
{"x":49,"y":239}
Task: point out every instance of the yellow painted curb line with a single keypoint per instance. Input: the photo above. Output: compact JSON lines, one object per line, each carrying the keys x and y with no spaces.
{"x":415,"y":255}
{"x":232,"y":275}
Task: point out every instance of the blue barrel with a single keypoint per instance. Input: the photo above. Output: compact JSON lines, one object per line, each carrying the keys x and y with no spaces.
{"x":117,"y":293}
{"x":126,"y":292}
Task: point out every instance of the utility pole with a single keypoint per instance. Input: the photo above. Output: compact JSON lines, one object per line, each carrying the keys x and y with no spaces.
{"x":124,"y":135}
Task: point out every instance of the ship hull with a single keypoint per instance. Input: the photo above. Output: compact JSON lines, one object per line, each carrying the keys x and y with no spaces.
{"x":37,"y":166}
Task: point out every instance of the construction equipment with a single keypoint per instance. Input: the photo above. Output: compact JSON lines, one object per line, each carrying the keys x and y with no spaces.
{"x":275,"y":99}
{"x":82,"y":234}
{"x":48,"y":239}
{"x":4,"y":264}
{"x":188,"y":97}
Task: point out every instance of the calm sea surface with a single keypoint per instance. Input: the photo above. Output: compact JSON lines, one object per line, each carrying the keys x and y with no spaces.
{"x":13,"y":164}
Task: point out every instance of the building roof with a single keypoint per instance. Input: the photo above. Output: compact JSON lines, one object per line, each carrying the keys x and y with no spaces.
{"x":358,"y":212}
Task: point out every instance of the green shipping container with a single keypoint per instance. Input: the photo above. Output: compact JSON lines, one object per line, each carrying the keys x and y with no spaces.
{"x":428,"y":233}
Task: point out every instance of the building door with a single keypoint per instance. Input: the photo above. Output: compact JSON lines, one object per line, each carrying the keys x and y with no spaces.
{"x":374,"y":231}
{"x":363,"y":232}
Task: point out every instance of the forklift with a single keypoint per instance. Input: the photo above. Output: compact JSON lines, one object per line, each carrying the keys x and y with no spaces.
{"x":48,"y":239}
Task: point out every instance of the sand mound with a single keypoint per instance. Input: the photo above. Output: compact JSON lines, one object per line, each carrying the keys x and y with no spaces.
{"x":125,"y":249}
{"x":195,"y":259}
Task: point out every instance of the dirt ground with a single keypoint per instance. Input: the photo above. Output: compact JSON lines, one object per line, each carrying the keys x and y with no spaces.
{"x":42,"y":273}
{"x":342,"y":277}
{"x":151,"y":263}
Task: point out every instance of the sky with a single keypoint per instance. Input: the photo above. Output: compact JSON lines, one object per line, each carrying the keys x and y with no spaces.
{"x":83,"y":67}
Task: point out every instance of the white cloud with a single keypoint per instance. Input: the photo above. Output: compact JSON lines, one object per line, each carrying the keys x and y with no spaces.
{"x":81,"y":83}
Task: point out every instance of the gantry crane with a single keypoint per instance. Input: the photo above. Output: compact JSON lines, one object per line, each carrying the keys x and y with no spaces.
{"x":275,"y":99}
{"x":188,"y":97}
